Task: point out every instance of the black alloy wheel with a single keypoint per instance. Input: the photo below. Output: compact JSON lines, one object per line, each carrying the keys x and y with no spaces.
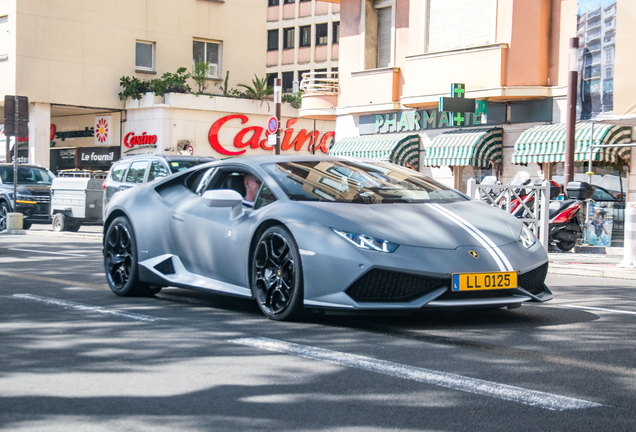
{"x":120,"y":260}
{"x":4,"y":210}
{"x":276,"y":275}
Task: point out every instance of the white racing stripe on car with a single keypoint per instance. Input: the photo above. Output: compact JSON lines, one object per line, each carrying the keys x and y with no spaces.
{"x":442,"y":379}
{"x":489,"y":245}
{"x":85,"y":308}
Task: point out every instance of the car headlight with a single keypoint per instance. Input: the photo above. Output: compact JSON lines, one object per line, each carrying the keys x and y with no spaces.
{"x":25,"y":199}
{"x":366,"y":242}
{"x":527,"y":237}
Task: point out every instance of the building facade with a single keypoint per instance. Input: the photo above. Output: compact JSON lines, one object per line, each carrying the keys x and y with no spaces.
{"x":399,"y":57}
{"x":302,"y":38}
{"x":69,"y":58}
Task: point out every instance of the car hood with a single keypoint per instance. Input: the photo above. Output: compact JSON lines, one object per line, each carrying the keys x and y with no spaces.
{"x":34,"y":189}
{"x":442,"y":226}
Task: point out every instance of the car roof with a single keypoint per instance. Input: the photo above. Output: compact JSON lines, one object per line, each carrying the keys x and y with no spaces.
{"x":4,"y":164}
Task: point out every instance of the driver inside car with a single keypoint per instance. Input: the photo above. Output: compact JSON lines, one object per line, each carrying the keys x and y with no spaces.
{"x":251,"y":188}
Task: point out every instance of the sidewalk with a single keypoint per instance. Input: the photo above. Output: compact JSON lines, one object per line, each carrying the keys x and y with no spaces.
{"x":586,"y":261}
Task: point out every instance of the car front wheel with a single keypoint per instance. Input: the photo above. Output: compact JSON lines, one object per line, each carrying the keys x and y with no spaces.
{"x":276,"y":275}
{"x":120,"y":260}
{"x":4,"y":210}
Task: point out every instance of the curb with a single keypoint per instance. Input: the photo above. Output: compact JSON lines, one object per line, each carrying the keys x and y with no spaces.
{"x":581,"y":270}
{"x":95,"y":236}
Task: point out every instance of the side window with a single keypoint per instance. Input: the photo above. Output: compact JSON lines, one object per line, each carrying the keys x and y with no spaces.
{"x":136,"y":172}
{"x":264,"y":198}
{"x":157,"y":170}
{"x":202,"y":185}
{"x":117,"y":173}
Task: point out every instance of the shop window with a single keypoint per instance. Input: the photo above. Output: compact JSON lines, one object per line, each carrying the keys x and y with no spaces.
{"x":210,"y":53}
{"x":305,"y":36}
{"x":336,"y":32}
{"x":288,"y":38}
{"x":145,"y":56}
{"x":136,"y":172}
{"x":272,"y":40}
{"x":272,"y":2}
{"x":288,"y":82}
{"x":157,"y":170}
{"x":321,"y":34}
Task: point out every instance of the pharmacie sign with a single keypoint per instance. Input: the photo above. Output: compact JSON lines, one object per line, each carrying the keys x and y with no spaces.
{"x":255,"y":137}
{"x":410,"y":121}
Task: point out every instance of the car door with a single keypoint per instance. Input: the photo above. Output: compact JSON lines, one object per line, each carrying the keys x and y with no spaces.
{"x":208,"y":240}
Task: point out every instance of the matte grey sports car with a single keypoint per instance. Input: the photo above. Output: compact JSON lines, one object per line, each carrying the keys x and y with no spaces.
{"x":320,"y":233}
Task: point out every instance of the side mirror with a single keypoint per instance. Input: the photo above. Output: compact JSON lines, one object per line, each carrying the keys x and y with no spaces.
{"x":225,"y":198}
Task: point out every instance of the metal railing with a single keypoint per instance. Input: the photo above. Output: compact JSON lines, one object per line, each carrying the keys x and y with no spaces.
{"x":325,"y":82}
{"x":533,"y":207}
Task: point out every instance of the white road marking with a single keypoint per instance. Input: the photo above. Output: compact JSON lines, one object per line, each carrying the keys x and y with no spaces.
{"x":442,"y":379}
{"x":599,"y":309}
{"x":47,"y":252}
{"x":85,"y":308}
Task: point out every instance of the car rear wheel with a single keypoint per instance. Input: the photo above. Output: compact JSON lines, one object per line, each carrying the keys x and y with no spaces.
{"x":120,"y":260}
{"x":276,"y":275}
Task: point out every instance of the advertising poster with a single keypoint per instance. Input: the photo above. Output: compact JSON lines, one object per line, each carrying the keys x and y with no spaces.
{"x":601,"y":223}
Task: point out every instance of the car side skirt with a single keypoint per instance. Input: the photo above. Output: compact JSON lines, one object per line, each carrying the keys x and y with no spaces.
{"x":180,"y":277}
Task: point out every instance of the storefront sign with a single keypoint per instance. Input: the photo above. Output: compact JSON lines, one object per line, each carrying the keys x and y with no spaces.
{"x":88,"y":132}
{"x":131,"y":140}
{"x":410,"y":121}
{"x":251,"y":136}
{"x":102,"y":130}
{"x":104,"y":156}
{"x":51,"y":137}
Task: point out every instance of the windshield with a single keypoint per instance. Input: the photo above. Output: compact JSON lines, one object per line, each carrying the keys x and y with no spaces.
{"x":27,"y":175}
{"x":176,"y":166}
{"x":358,"y":182}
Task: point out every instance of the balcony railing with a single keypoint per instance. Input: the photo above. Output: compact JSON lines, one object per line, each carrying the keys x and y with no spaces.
{"x":323,"y":82}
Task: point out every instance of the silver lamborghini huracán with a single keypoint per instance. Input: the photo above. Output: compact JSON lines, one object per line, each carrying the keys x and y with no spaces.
{"x":320,"y":233}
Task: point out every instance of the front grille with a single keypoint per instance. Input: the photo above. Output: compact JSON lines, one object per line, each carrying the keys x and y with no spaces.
{"x":42,"y":199}
{"x":471,"y":295}
{"x":390,"y":286}
{"x":533,"y":280}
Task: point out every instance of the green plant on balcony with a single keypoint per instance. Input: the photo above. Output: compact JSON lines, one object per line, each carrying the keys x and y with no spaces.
{"x":134,"y":88}
{"x":200,"y":72}
{"x":294,"y":99}
{"x":226,"y":90}
{"x":258,"y":90}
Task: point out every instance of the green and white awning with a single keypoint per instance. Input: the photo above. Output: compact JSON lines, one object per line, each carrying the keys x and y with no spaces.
{"x":546,"y":143}
{"x":472,"y":147}
{"x":401,"y":149}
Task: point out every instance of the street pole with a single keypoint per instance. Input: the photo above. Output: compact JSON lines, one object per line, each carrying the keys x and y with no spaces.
{"x":15,"y":158}
{"x":570,"y":123}
{"x":277,"y":107}
{"x":313,"y":141}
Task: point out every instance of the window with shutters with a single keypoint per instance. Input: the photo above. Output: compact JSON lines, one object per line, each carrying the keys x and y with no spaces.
{"x":305,"y":36}
{"x":288,"y":38}
{"x":272,"y":40}
{"x":385,"y":25}
{"x":321,"y":34}
{"x":461,"y":24}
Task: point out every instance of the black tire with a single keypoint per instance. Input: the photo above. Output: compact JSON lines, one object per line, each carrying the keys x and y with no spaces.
{"x":60,"y":223}
{"x":120,"y":260}
{"x":276,"y":275}
{"x":74,"y":227}
{"x":26,"y":225}
{"x":4,"y":210}
{"x":566,"y":246}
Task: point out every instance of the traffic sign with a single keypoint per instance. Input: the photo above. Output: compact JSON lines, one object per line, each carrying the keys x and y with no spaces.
{"x":272,"y":125}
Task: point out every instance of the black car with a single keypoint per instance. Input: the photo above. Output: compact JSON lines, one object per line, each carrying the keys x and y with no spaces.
{"x":34,"y":194}
{"x":135,"y":170}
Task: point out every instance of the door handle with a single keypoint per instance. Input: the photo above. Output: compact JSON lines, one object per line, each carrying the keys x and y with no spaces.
{"x":178,"y":217}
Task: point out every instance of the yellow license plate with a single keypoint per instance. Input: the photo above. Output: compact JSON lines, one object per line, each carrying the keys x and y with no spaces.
{"x":484,"y":281}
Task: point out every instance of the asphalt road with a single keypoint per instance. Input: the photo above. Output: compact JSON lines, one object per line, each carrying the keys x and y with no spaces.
{"x":73,"y":356}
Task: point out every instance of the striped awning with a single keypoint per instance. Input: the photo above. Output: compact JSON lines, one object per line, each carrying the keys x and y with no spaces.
{"x":401,"y":149}
{"x":546,"y":143}
{"x":473,"y":147}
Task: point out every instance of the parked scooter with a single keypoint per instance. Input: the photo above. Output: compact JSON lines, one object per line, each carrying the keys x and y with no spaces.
{"x":564,"y":222}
